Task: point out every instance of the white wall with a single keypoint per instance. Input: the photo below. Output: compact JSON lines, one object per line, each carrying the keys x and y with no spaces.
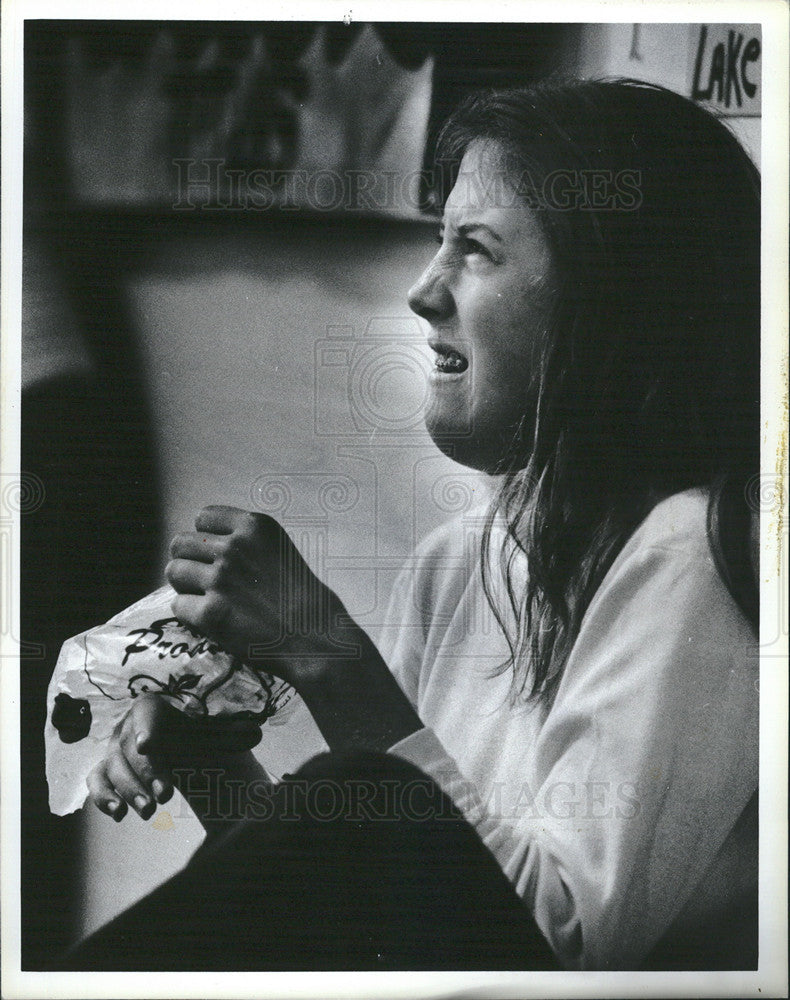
{"x":237,"y":331}
{"x":656,"y":53}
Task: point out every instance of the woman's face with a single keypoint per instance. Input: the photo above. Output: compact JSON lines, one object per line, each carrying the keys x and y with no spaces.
{"x":486,"y":295}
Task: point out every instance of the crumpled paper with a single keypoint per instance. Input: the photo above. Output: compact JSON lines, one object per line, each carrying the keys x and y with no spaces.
{"x":145,"y":648}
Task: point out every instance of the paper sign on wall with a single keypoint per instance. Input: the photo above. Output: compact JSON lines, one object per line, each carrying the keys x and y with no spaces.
{"x":726,"y":67}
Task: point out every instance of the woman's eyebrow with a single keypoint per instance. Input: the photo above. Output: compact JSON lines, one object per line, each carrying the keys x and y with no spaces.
{"x":469,"y":227}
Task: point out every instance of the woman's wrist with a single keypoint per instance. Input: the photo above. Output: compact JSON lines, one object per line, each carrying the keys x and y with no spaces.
{"x":353,"y":698}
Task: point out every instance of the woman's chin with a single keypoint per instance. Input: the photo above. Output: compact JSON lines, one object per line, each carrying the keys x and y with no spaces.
{"x":461,"y":445}
{"x":484,"y":448}
{"x":448,"y":427}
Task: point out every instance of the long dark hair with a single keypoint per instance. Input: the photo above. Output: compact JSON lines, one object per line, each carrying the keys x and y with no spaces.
{"x":647,"y":382}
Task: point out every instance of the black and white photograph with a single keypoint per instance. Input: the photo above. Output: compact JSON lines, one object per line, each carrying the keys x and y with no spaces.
{"x":394,"y":500}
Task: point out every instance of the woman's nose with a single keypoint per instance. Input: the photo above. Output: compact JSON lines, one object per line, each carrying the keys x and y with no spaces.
{"x":430,"y":297}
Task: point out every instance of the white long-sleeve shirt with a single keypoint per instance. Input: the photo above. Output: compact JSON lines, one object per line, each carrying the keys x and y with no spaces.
{"x":615,"y":812}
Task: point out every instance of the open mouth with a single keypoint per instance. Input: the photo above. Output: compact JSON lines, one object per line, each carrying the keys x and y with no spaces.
{"x":448,"y":360}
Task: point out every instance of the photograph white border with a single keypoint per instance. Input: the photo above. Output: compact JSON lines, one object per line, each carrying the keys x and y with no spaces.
{"x":771,"y":977}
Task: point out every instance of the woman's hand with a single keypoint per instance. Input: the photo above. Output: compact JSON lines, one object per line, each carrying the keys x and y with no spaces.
{"x":155,"y":738}
{"x":241,"y":581}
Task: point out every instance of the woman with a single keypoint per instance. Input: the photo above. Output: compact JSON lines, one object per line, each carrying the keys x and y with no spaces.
{"x":594,"y":309}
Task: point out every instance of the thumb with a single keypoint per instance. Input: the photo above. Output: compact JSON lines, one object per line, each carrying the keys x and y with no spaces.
{"x":153,"y":720}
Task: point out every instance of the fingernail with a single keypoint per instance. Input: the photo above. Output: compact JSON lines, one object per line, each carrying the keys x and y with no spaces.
{"x":140,"y":741}
{"x":116,"y":811}
{"x":141,"y":802}
{"x":158,"y":788}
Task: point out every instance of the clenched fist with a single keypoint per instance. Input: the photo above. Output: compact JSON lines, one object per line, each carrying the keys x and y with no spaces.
{"x":241,"y":581}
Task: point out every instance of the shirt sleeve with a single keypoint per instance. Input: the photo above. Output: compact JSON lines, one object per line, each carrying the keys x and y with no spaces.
{"x":424,"y":597}
{"x":401,"y":640}
{"x":647,"y":758}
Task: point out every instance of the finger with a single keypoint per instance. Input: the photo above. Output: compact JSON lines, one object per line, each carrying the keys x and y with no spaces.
{"x":201,"y":546}
{"x":128,"y":785}
{"x":197,"y":612}
{"x":187,"y":608}
{"x":162,"y":786}
{"x":104,"y":796}
{"x":188,"y":576}
{"x":152,"y":770}
{"x":219,"y":520}
{"x":149,"y":717}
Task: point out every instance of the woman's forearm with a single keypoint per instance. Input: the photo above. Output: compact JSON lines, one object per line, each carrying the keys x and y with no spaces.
{"x":355,"y":701}
{"x":218,"y":791}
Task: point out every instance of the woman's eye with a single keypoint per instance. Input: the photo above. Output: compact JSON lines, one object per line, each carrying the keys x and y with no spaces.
{"x":463,"y":244}
{"x":472,"y":246}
